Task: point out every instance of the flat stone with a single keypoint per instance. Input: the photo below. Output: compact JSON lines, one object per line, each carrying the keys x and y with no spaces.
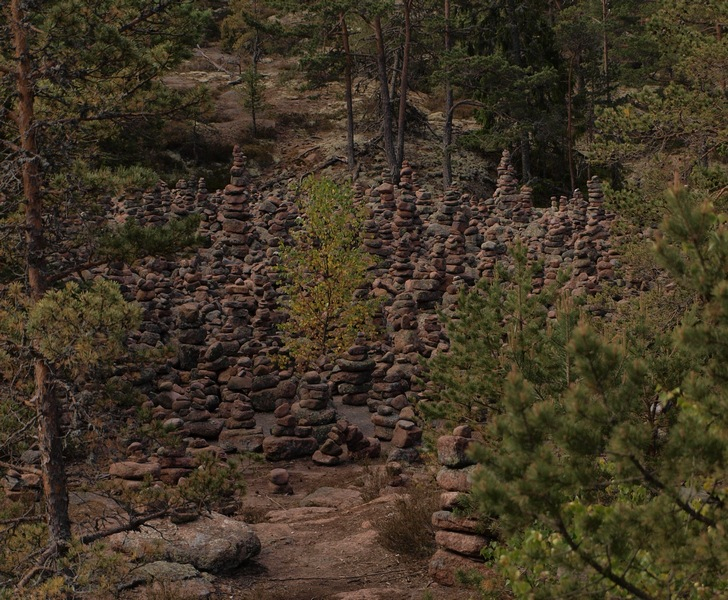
{"x":444,"y":567}
{"x":456,"y":480}
{"x":461,"y":543}
{"x":288,"y":447}
{"x":134,"y":470}
{"x":333,"y":498}
{"x":445,"y":519}
{"x":452,"y":451}
{"x":215,"y":543}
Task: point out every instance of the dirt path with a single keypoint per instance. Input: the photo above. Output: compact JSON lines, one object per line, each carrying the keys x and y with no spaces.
{"x":325,"y":545}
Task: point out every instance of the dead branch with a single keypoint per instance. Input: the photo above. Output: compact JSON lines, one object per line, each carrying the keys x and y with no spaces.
{"x":21,"y":468}
{"x":132,"y":525}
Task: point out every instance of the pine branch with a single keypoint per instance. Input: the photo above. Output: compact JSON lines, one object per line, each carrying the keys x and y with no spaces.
{"x":605,"y":572}
{"x":146,"y":15}
{"x":661,"y":486}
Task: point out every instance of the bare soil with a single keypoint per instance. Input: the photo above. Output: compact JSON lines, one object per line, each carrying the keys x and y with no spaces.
{"x":332,"y":553}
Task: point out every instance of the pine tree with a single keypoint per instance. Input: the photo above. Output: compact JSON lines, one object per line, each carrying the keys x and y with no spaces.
{"x":71,"y":71}
{"x":614,"y":486}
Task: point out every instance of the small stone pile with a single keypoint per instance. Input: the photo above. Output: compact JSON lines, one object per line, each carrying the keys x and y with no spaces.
{"x":279,"y":482}
{"x":287,"y":439}
{"x":236,"y":226}
{"x":352,"y":375}
{"x":458,"y":537}
{"x":314,"y":407}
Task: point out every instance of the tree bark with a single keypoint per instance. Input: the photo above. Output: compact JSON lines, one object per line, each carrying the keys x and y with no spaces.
{"x":570,"y":123}
{"x":447,"y":129}
{"x":351,"y":159}
{"x":55,"y":488}
{"x":517,"y":57}
{"x":387,"y":113}
{"x":403,"y":85}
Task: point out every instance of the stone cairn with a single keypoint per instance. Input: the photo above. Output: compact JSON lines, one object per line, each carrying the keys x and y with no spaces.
{"x":459,"y":538}
{"x":352,"y":375}
{"x":222,"y":305}
{"x":288,"y":439}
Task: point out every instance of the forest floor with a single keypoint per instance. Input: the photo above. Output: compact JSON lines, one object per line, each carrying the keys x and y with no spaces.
{"x":328,"y":546}
{"x":301,"y":129}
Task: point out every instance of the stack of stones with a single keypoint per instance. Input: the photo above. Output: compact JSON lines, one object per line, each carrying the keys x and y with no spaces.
{"x":492,"y":251}
{"x":597,"y":228}
{"x":402,"y":319}
{"x":352,"y":375}
{"x":455,"y":259}
{"x":315,"y":407}
{"x":241,"y":432}
{"x":451,"y":205}
{"x":406,"y":209}
{"x":175,"y":464}
{"x":200,"y":422}
{"x":405,"y":438}
{"x":506,"y":194}
{"x":372,"y":242}
{"x":523,"y":211}
{"x":557,"y":234}
{"x":426,"y":285}
{"x":424,"y":204}
{"x":458,"y":537}
{"x":287,"y":439}
{"x":236,"y":227}
{"x":191,"y":336}
{"x":280,"y":482}
{"x":385,"y":420}
{"x":264,"y":384}
{"x":386,"y":206}
{"x":357,"y":445}
{"x":402,"y":267}
{"x":331,"y":451}
{"x":183,"y":200}
{"x":136,"y":468}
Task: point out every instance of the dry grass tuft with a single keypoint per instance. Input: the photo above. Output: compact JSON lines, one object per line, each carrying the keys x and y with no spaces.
{"x":407,"y":529}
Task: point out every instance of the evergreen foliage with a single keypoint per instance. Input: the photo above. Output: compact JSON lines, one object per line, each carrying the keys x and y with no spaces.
{"x":612,"y":483}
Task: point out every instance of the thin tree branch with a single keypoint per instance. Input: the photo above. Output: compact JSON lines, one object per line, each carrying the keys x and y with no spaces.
{"x":661,"y":486}
{"x":132,"y":525}
{"x":23,"y":468}
{"x":147,"y":14}
{"x":605,"y":572}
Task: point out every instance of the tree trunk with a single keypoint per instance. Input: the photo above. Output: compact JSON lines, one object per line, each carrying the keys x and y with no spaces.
{"x":55,"y":489}
{"x":351,"y":159}
{"x":387,"y":116}
{"x":517,"y":58}
{"x":402,"y":117}
{"x":447,"y":129}
{"x":570,"y":123}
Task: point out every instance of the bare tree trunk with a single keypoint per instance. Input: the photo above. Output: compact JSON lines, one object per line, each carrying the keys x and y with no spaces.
{"x":605,"y":48}
{"x":570,"y":123}
{"x":402,"y":117}
{"x":518,"y":60}
{"x":387,"y":116}
{"x":447,"y":129}
{"x":55,"y":488}
{"x":351,"y":159}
